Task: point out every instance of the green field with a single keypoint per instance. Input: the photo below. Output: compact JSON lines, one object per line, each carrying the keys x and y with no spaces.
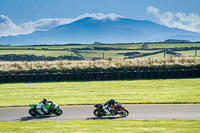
{"x":114,"y":54}
{"x":122,"y":46}
{"x":152,"y":45}
{"x":37,"y":52}
{"x":102,"y":126}
{"x":173,"y":45}
{"x":188,"y":53}
{"x":157,"y":56}
{"x":47,"y":50}
{"x":126,"y":91}
{"x":44,"y":47}
{"x":128,"y":46}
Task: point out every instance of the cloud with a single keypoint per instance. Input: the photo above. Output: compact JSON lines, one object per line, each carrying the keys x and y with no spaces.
{"x":180,"y":20}
{"x":44,"y":24}
{"x":101,"y":16}
{"x":152,"y":10}
{"x":7,"y":27}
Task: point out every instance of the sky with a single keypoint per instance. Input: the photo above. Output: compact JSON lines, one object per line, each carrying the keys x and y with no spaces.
{"x":26,"y":16}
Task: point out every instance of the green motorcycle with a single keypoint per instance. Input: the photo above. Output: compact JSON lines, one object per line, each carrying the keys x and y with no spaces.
{"x":53,"y":108}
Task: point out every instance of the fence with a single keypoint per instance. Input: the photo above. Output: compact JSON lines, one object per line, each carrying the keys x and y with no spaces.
{"x":92,"y":76}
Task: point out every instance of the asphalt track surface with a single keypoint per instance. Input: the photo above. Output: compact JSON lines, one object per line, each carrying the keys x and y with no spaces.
{"x":85,"y":112}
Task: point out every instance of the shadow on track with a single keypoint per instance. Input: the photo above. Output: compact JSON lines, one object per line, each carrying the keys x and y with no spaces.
{"x":28,"y":118}
{"x":102,"y":118}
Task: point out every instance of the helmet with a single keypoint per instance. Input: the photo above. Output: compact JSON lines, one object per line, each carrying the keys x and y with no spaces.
{"x":44,"y":100}
{"x":112,"y":101}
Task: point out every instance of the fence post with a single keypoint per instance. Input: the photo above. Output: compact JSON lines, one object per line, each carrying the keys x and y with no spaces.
{"x":195,"y":52}
{"x":164,"y":53}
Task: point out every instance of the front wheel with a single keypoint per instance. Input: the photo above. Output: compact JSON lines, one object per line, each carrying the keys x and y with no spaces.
{"x":59,"y":112}
{"x":32,"y":112}
{"x":97,"y":113}
{"x":124,"y":113}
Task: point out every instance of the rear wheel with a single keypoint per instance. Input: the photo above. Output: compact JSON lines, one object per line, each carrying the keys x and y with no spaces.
{"x":32,"y":112}
{"x":124,"y":113}
{"x":59,"y":112}
{"x":97,"y":113}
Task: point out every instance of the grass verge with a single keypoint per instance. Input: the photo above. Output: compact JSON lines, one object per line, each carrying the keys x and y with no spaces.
{"x":103,"y":126}
{"x":125,"y":91}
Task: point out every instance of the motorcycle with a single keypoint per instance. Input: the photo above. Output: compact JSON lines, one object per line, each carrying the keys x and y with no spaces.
{"x":117,"y":109}
{"x":53,"y":108}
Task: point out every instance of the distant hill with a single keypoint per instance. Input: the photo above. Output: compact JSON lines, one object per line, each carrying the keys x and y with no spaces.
{"x":176,"y":41}
{"x":90,"y":30}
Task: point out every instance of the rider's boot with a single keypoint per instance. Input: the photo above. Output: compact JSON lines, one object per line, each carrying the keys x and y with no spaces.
{"x":108,"y":114}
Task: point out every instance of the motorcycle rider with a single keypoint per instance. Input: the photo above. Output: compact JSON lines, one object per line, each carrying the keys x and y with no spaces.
{"x":41,"y":106}
{"x":107,"y":106}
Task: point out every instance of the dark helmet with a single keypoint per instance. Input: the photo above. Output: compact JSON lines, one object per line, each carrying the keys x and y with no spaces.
{"x":44,"y":100}
{"x":112,"y":101}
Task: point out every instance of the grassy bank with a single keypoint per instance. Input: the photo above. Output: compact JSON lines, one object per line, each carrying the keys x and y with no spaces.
{"x":100,"y":65}
{"x":127,"y":91}
{"x":103,"y":126}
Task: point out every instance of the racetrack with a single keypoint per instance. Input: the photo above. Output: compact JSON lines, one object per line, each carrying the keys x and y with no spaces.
{"x":85,"y":112}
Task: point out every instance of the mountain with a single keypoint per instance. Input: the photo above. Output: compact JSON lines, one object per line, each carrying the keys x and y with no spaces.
{"x":89,"y":30}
